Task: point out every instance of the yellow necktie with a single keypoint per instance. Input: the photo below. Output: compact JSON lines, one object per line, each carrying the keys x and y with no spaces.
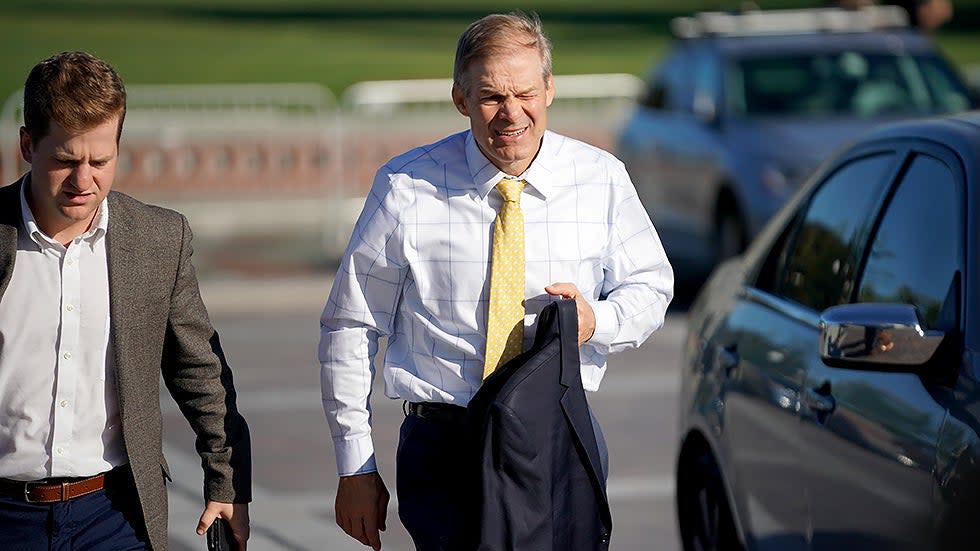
{"x":505,"y":317}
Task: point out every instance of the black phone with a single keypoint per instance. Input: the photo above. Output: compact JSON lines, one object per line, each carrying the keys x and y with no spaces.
{"x":219,"y":536}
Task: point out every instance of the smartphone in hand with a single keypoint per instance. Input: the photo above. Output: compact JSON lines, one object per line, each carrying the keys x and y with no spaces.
{"x":219,"y":536}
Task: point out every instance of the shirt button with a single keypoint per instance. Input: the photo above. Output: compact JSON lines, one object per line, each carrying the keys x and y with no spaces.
{"x":69,"y":307}
{"x":60,"y":450}
{"x":64,"y":403}
{"x":67,"y":355}
{"x":70,"y":262}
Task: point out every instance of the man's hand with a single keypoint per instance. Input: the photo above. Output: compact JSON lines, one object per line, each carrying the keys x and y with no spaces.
{"x":235,"y":513}
{"x":586,"y":317}
{"x":362,"y":506}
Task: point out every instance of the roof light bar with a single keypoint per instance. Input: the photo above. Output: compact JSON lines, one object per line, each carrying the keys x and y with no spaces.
{"x":789,"y":21}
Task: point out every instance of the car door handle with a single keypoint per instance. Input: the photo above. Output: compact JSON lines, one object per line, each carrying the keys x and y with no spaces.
{"x":819,"y":399}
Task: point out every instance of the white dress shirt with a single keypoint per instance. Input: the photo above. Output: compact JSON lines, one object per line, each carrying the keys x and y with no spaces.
{"x":58,"y":409}
{"x":417,"y":271}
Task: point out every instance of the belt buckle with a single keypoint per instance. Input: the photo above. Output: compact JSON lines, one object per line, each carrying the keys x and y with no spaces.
{"x":27,"y":491}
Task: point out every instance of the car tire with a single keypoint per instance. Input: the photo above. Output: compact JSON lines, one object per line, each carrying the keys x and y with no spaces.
{"x":705,"y":518}
{"x":731,"y":234}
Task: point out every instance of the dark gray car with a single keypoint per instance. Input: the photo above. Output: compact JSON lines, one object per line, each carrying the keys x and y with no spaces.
{"x":733,"y":120}
{"x":831,"y":385}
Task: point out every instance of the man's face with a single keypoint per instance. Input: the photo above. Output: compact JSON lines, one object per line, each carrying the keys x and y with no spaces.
{"x":71,"y":173}
{"x":506,"y":99}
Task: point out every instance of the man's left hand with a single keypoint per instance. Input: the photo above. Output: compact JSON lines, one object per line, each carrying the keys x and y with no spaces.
{"x":235,"y":513}
{"x":586,"y":317}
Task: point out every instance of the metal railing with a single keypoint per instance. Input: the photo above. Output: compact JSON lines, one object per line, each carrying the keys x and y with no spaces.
{"x":291,"y":158}
{"x":384,"y":97}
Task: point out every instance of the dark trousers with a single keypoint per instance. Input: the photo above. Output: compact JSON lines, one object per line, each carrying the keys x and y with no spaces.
{"x":430,"y":482}
{"x":107,"y":520}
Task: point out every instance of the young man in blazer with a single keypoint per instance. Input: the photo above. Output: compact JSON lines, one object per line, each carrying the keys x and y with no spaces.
{"x":98,"y":300}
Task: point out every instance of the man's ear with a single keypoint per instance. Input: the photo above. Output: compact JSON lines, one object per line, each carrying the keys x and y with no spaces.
{"x":459,"y":100}
{"x":550,"y":90}
{"x":26,"y":147}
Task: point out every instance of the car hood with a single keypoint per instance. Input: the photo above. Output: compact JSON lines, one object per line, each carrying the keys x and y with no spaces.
{"x":806,"y":140}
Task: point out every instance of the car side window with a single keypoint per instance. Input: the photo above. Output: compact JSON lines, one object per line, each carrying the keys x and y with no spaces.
{"x":655,"y":95}
{"x":949,"y":94}
{"x":670,"y":85}
{"x":822,"y":258}
{"x":706,"y":84}
{"x":918,"y":247}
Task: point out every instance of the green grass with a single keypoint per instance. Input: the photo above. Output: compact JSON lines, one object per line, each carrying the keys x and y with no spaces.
{"x":336,"y":43}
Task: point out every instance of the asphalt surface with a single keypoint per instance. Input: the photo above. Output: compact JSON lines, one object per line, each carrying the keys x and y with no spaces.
{"x":269,"y":330}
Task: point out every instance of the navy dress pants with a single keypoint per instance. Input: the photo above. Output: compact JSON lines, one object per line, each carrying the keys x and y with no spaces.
{"x":107,"y":520}
{"x":430,"y":482}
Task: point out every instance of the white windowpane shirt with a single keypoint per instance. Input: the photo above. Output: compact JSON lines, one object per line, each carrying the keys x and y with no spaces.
{"x":417,"y":271}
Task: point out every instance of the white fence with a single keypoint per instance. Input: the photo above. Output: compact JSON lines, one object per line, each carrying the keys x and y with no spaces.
{"x":178,"y":122}
{"x":290,"y":158}
{"x":386,"y":97}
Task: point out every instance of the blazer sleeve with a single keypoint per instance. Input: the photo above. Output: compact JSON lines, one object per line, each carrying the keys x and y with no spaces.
{"x":198,"y":377}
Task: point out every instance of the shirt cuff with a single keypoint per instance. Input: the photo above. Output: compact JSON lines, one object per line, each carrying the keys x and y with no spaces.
{"x":355,"y":456}
{"x":606,"y":323}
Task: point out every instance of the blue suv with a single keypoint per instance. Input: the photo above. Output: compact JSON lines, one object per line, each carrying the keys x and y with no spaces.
{"x":744,"y":107}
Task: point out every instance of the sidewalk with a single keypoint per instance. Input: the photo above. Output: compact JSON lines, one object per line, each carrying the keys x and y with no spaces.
{"x":280,"y":520}
{"x":233,"y":294}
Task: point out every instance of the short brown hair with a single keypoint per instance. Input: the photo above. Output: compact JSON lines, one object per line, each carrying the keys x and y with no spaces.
{"x":498,"y":33}
{"x":75,"y":89}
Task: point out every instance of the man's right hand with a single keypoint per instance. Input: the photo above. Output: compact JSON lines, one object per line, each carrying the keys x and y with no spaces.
{"x":362,"y":506}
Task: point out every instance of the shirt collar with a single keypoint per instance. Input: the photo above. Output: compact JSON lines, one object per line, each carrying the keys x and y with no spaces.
{"x":99,"y":225}
{"x":539,"y":176}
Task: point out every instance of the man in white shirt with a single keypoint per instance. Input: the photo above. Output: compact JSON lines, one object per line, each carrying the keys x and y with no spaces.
{"x":417,"y":271}
{"x":98,"y":298}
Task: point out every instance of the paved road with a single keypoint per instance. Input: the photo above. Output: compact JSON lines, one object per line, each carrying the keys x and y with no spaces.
{"x":269,"y":331}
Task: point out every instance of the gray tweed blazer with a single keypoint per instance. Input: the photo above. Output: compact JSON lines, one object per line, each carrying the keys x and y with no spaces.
{"x":159,"y":327}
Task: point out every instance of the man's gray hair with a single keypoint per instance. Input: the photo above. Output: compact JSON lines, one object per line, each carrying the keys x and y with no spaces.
{"x":499,"y":33}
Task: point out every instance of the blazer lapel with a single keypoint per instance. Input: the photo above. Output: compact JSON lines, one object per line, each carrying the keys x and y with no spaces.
{"x":121,"y":256}
{"x":573,"y":395}
{"x":581,"y":425}
{"x":10,"y":218}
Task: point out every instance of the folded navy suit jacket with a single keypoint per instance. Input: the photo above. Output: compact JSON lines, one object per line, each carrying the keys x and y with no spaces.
{"x":537,"y":480}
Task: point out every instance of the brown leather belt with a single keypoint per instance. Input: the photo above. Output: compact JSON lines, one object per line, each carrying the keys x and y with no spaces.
{"x":51,"y":491}
{"x":435,"y":411}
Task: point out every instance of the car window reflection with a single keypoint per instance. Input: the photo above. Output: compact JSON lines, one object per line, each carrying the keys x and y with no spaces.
{"x":846,"y":83}
{"x":923,"y":220}
{"x":822,"y":262}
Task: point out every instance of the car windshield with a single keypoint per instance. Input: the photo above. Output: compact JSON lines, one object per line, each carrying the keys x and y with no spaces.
{"x":850,"y":84}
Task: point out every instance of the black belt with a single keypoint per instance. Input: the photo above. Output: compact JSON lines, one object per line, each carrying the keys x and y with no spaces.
{"x":52,"y":490}
{"x":436,"y":411}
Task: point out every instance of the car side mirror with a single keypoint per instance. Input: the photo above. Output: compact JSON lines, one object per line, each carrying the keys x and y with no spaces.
{"x":881,"y":337}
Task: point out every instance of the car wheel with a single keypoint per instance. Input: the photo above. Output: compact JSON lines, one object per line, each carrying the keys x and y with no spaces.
{"x":705,"y":519}
{"x":731,"y":235}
